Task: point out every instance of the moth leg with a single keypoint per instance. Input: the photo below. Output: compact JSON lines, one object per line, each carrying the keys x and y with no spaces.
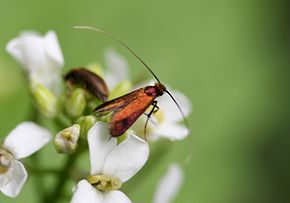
{"x":154,"y":104}
{"x":153,"y":110}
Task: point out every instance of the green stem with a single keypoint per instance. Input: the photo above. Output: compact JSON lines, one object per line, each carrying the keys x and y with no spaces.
{"x":38,"y":171}
{"x":38,"y":181}
{"x":61,"y":121}
{"x":62,"y":179}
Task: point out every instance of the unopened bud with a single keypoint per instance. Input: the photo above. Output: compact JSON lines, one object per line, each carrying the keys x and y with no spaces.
{"x":76,"y":103}
{"x":122,"y":88}
{"x":96,"y":68}
{"x":66,"y":140}
{"x":86,"y":122}
{"x":45,"y":100}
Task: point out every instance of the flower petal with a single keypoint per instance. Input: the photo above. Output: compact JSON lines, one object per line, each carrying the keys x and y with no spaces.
{"x":17,"y":47}
{"x":127,"y":158}
{"x":100,"y":145}
{"x":169,"y":108}
{"x":13,"y":179}
{"x":169,"y":184}
{"x":25,"y":139}
{"x":117,"y":67}
{"x":40,"y":57}
{"x":116,"y":196}
{"x":85,"y":193}
{"x":53,"y":49}
{"x":172,"y":131}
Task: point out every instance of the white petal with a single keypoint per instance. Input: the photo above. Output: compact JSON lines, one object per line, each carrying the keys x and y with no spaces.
{"x":30,"y":46}
{"x":53,"y":49}
{"x":25,"y":139}
{"x":13,"y":179}
{"x":169,"y":108}
{"x":172,"y":131}
{"x":127,"y":158}
{"x":100,"y":144}
{"x":167,"y":105}
{"x":169,"y":185}
{"x":86,"y":193}
{"x":116,"y":196}
{"x":117,"y":67}
{"x":17,"y":47}
{"x":40,"y":57}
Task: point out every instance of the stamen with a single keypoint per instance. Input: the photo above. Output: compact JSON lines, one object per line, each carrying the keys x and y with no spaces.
{"x":104,"y":183}
{"x":5,"y":160}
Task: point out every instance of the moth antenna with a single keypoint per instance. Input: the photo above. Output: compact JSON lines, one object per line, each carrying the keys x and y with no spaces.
{"x":187,"y":159}
{"x":183,"y":115}
{"x":189,"y":153}
{"x":121,"y":43}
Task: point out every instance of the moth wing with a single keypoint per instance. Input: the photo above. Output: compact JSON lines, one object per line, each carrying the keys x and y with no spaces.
{"x":123,"y":118}
{"x":118,"y":103}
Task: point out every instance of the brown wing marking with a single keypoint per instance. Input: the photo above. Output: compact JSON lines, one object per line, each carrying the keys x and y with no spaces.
{"x":123,"y":118}
{"x":117,"y":103}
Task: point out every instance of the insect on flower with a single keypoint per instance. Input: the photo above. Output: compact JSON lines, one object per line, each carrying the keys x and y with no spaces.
{"x":128,"y":108}
{"x":90,"y":81}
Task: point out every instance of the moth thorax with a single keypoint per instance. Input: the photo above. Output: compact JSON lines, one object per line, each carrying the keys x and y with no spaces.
{"x":160,"y":88}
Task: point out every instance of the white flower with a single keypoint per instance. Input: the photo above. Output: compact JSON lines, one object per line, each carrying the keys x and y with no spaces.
{"x":117,"y":68}
{"x":111,"y":165}
{"x":66,"y":140}
{"x":169,"y":185}
{"x":23,"y":141}
{"x":169,"y":117}
{"x":41,"y":58}
{"x":166,"y":121}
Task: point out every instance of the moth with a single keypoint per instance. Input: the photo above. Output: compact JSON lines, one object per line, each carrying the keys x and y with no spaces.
{"x":126,"y":109}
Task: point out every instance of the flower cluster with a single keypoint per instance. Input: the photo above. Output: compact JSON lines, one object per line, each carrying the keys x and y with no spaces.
{"x":113,"y":160}
{"x":24,"y":140}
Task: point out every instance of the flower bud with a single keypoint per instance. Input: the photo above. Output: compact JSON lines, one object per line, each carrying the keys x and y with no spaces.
{"x":122,"y":88}
{"x":45,"y":100}
{"x":96,"y":68}
{"x":66,"y":140}
{"x":86,"y":122}
{"x":76,"y":103}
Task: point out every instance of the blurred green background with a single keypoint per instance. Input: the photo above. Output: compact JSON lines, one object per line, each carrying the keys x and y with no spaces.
{"x":230,"y":57}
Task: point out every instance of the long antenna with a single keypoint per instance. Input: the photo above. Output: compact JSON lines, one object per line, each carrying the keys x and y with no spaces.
{"x":183,"y":115}
{"x":189,"y":153}
{"x":149,"y":69}
{"x":120,"y":42}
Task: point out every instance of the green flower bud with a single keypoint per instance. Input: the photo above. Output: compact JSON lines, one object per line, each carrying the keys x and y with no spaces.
{"x":45,"y":100}
{"x":76,"y":102}
{"x":96,"y":68}
{"x":122,"y":88}
{"x":86,"y":122}
{"x":66,"y":140}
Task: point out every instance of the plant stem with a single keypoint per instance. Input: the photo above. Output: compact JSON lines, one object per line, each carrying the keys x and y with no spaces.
{"x":62,"y":179}
{"x":40,"y":171}
{"x":38,"y":181}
